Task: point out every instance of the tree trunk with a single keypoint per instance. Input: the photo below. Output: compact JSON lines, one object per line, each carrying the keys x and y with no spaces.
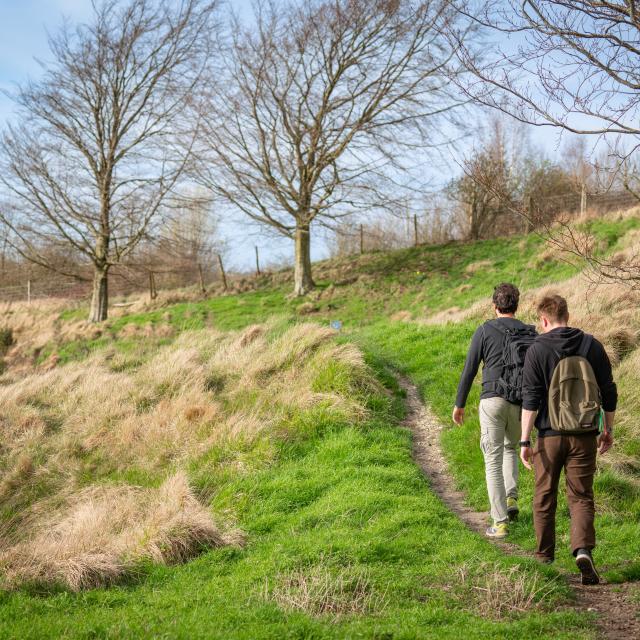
{"x":100,"y":296}
{"x":474,"y":222}
{"x":303,"y":282}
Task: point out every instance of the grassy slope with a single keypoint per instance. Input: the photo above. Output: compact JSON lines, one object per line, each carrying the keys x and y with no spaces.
{"x":345,"y":497}
{"x":419,"y":280}
{"x":433,"y":357}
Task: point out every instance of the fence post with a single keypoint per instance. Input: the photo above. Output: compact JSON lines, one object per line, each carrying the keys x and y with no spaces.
{"x":583,"y":200}
{"x":222,"y":273}
{"x":153,"y":293}
{"x":203,"y":289}
{"x":415,"y":230}
{"x":530,"y":225}
{"x":28,"y":291}
{"x":257,"y":262}
{"x":361,"y":239}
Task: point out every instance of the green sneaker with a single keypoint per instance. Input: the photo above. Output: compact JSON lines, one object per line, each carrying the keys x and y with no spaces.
{"x":512,"y":508}
{"x":498,"y":530}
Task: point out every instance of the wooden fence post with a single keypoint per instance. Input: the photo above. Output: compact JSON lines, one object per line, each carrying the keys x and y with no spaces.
{"x":361,"y":239}
{"x":257,"y":262}
{"x":28,"y":291}
{"x":222,"y":273}
{"x":415,"y":230}
{"x":203,"y":289}
{"x":529,"y":205}
{"x":153,"y":292}
{"x":583,"y":200}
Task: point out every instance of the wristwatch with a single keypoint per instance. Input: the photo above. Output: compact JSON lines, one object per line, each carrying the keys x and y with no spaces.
{"x":525,"y":443}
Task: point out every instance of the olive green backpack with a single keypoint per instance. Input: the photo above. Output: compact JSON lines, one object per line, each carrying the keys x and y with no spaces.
{"x":574,"y":394}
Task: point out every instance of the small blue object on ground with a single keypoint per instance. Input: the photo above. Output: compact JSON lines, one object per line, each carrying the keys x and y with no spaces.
{"x":336,"y":324}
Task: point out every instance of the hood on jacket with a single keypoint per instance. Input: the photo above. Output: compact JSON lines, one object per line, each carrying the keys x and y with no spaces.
{"x":564,"y":340}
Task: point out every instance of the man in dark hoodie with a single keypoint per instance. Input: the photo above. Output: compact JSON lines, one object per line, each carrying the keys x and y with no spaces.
{"x":557,"y":449}
{"x":499,"y":417}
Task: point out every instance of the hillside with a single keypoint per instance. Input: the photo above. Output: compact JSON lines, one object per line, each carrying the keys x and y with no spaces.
{"x":261,"y":459}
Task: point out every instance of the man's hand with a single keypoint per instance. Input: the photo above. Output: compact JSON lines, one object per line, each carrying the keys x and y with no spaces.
{"x":526,"y":455}
{"x":458,"y":415}
{"x":605,"y":441}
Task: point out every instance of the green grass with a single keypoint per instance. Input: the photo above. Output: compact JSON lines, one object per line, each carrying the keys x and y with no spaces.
{"x":433,"y":357}
{"x":344,"y":498}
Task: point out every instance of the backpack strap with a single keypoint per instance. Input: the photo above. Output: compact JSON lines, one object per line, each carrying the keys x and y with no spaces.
{"x":585,"y":345}
{"x":492,"y":374}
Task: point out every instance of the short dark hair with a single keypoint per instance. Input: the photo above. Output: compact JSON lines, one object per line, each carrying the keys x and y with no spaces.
{"x":554,"y":307}
{"x":506,"y":297}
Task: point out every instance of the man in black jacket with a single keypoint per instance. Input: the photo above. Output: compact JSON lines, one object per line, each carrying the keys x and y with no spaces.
{"x":575,"y":452}
{"x":499,"y":418}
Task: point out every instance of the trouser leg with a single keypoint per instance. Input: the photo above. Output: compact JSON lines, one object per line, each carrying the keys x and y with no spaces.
{"x":580,"y":467}
{"x":492,"y":434}
{"x":510,"y":465}
{"x":548,"y":461}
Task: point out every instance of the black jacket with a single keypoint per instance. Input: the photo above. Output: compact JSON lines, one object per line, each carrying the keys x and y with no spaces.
{"x":542,"y":358}
{"x":486,"y":346}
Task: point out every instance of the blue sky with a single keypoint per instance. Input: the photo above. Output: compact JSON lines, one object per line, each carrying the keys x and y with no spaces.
{"x":24,"y":25}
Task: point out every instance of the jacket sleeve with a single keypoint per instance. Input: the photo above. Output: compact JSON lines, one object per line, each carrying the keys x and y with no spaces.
{"x":604,"y":376}
{"x":471,"y":366}
{"x":533,"y":385}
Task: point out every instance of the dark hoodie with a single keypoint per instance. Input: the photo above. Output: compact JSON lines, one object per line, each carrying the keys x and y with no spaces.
{"x":542,"y":358}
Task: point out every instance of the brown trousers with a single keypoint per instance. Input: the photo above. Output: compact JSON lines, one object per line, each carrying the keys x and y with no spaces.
{"x":577,"y":456}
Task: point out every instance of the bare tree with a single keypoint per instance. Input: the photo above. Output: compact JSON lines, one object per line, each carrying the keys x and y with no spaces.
{"x":575,"y":65}
{"x":492,"y":176}
{"x":95,"y":155}
{"x":322,"y":100}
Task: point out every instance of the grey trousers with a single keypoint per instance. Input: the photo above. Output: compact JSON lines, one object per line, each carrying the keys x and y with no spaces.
{"x":499,"y":436}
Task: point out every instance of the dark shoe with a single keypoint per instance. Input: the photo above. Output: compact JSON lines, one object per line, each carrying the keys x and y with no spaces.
{"x":512,"y":508}
{"x":544,"y":559}
{"x":586,"y":566}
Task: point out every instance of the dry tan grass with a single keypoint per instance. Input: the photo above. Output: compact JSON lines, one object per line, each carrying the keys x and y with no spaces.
{"x":611,"y":312}
{"x":627,"y":429}
{"x":500,"y":593}
{"x":207,"y":389}
{"x":320,"y":591}
{"x":401,"y":316}
{"x":100,"y":533}
{"x":481,"y":265}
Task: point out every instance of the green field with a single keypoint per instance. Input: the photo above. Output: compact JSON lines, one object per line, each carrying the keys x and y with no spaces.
{"x":344,"y":538}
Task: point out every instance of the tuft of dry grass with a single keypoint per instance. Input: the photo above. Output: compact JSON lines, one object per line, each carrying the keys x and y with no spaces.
{"x":99,"y":534}
{"x":500,"y":593}
{"x":401,"y":316}
{"x":481,"y":265}
{"x":320,"y":591}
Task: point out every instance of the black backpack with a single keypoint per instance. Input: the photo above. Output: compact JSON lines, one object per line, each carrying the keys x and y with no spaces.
{"x":507,"y":378}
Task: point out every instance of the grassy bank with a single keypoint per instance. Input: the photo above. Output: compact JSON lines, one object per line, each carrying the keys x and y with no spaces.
{"x":433,"y":357}
{"x":414,"y":283}
{"x":343,"y":540}
{"x":282,"y":435}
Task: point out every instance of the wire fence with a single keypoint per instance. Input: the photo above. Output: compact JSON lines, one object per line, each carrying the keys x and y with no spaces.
{"x":438,"y":225}
{"x":47,"y":286}
{"x":394,"y":232}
